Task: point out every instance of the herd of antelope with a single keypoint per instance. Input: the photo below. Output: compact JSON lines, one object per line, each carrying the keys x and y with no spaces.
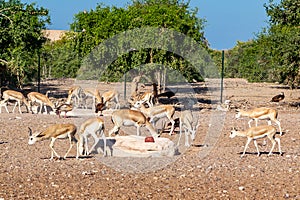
{"x":144,"y":111}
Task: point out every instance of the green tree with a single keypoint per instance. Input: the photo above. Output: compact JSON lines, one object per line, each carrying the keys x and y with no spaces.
{"x":274,"y":54}
{"x":284,"y":39}
{"x":96,"y":26}
{"x":21,"y":37}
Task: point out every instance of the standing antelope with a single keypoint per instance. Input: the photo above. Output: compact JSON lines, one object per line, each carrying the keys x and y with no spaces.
{"x":91,"y":127}
{"x":128,"y":117}
{"x":257,"y":132}
{"x":15,"y":96}
{"x":260,"y":113}
{"x":53,"y":132}
{"x":186,"y":123}
{"x":43,"y":100}
{"x":74,"y":92}
{"x":94,"y":93}
{"x":107,"y":97}
{"x":159,"y":111}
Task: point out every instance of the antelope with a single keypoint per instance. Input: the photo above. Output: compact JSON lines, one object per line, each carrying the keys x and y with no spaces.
{"x":94,"y":93}
{"x":257,"y":132}
{"x":107,"y":97}
{"x":65,"y":107}
{"x":43,"y":100}
{"x":129,"y":117}
{"x":186,"y":123}
{"x":74,"y":92}
{"x":91,"y":127}
{"x":260,"y":113}
{"x":15,"y":96}
{"x":53,"y":132}
{"x":146,"y":97}
{"x":159,"y":111}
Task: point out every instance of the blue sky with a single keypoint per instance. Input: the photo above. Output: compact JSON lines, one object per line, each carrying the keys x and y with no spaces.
{"x":227,"y":21}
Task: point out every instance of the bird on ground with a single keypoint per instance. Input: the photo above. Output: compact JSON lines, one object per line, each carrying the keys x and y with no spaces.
{"x":278,"y":97}
{"x":167,"y":94}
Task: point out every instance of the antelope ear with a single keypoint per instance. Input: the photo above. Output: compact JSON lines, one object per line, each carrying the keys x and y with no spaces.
{"x":30,"y":131}
{"x":56,"y":104}
{"x":40,"y":134}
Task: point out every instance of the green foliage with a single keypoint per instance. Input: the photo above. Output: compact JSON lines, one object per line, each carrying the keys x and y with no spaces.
{"x":274,"y":54}
{"x":96,"y":26}
{"x":284,"y":39}
{"x":20,"y":37}
{"x":286,"y":13}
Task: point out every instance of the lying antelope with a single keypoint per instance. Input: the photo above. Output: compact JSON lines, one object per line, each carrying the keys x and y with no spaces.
{"x":43,"y":100}
{"x":53,"y":132}
{"x":106,"y":97}
{"x":159,"y":111}
{"x":14,"y":96}
{"x":186,"y":123}
{"x":128,"y":117}
{"x":257,"y":132}
{"x":260,"y":113}
{"x":91,"y":127}
{"x":146,"y":97}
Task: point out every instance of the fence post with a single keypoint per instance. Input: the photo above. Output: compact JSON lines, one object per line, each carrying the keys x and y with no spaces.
{"x":39,"y":70}
{"x":222,"y":76}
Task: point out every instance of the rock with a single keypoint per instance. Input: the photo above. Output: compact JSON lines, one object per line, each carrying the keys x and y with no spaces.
{"x":135,"y":146}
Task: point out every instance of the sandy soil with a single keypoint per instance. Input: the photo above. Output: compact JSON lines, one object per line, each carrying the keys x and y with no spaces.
{"x":210,"y":169}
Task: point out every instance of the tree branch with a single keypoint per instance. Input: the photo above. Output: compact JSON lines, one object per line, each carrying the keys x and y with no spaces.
{"x":4,"y":61}
{"x":7,"y":18}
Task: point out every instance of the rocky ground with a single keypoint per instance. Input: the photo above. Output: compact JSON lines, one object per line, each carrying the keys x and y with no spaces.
{"x":210,"y":169}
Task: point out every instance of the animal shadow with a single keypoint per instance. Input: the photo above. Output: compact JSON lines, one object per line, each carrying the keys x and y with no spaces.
{"x":261,"y":153}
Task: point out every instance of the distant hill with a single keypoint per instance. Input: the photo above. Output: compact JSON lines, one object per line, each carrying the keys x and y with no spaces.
{"x":54,"y":35}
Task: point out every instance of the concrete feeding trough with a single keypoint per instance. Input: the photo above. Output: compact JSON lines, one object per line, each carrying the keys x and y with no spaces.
{"x":136,"y":146}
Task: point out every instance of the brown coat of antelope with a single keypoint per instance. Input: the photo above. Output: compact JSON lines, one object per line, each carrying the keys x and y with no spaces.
{"x":255,"y":133}
{"x":260,"y":113}
{"x":43,"y":100}
{"x":15,"y":96}
{"x":53,"y":132}
{"x":127,"y":117}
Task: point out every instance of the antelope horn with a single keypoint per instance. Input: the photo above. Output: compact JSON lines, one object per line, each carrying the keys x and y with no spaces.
{"x":30,"y":131}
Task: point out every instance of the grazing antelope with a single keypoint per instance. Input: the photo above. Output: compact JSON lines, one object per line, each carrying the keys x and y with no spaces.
{"x":65,"y":107}
{"x":94,"y":93}
{"x":43,"y":100}
{"x":15,"y":96}
{"x":260,"y":113}
{"x":128,"y":117}
{"x":74,"y":92}
{"x":159,"y":111}
{"x":106,"y":97}
{"x":257,"y":132}
{"x":278,"y":97}
{"x":186,"y":123}
{"x":53,"y":132}
{"x":91,"y":127}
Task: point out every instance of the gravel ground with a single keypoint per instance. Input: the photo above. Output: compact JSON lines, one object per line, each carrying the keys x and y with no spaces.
{"x":210,"y":169}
